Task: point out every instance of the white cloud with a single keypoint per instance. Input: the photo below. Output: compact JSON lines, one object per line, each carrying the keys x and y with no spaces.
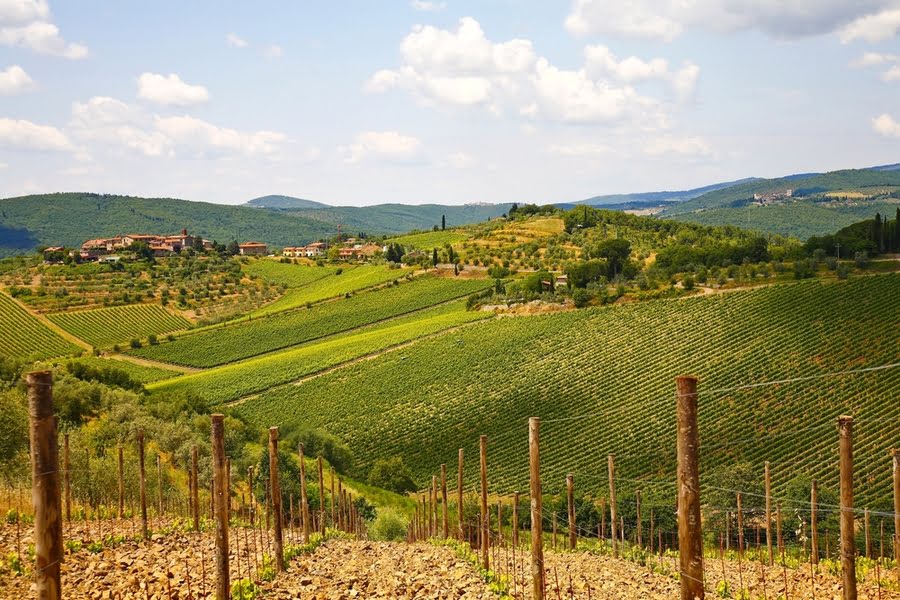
{"x":170,"y":90}
{"x":202,"y":138}
{"x":235,"y":41}
{"x":892,"y":74}
{"x":3,"y":166}
{"x":425,"y":5}
{"x":871,"y":59}
{"x":386,"y":146}
{"x":15,"y":12}
{"x":274,"y":51}
{"x":115,"y":124}
{"x":679,"y":146}
{"x":872,"y":27}
{"x":667,"y":19}
{"x":25,"y":135}
{"x":463,"y":68}
{"x":460,"y":160}
{"x":14,"y":80}
{"x":42,"y":38}
{"x":886,"y":126}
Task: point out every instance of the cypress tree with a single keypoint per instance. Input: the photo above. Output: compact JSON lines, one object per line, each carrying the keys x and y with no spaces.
{"x":434,"y":257}
{"x":443,"y":222}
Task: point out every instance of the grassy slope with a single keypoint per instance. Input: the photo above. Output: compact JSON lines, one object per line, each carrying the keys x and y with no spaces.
{"x":24,"y":336}
{"x":614,"y":368}
{"x":47,"y":219}
{"x":230,"y":382}
{"x":142,"y":373}
{"x":103,"y":327}
{"x":220,"y":345}
{"x":431,"y":239}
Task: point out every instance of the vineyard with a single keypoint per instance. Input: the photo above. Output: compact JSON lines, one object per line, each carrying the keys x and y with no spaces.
{"x":231,"y":382}
{"x":431,"y":239}
{"x":287,"y":274}
{"x":137,"y":372}
{"x":23,"y":336}
{"x":104,"y":327}
{"x":245,"y":339}
{"x":341,"y":283}
{"x":602,"y":378}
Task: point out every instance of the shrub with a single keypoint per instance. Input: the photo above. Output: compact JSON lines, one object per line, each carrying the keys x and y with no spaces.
{"x":581,"y":297}
{"x":389,"y":526}
{"x":135,"y":343}
{"x":152,"y":339}
{"x":392,"y":474}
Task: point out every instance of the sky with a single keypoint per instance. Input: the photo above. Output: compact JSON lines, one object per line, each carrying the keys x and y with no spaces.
{"x":357,"y":102}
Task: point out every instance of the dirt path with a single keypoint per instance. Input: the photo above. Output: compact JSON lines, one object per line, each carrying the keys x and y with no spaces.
{"x":146,"y":362}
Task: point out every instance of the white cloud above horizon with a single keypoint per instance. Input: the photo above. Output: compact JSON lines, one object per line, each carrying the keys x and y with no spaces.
{"x":20,"y":134}
{"x":235,"y":41}
{"x":383,"y":146}
{"x":170,"y":90}
{"x":26,"y":24}
{"x":14,"y":80}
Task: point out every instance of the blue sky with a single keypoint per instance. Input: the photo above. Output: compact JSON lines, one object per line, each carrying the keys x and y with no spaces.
{"x":446,"y":101}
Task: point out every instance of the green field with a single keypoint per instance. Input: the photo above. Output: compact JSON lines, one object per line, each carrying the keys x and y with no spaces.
{"x":603,"y":382}
{"x":237,"y":341}
{"x":289,"y":275}
{"x":231,"y":382}
{"x":431,"y":239}
{"x":349,"y":281}
{"x":104,"y":327}
{"x":140,"y":373}
{"x":23,"y":336}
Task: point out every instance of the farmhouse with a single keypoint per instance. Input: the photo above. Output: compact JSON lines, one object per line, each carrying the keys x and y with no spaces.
{"x":311,"y":251}
{"x":161,"y":245}
{"x":253,"y":249}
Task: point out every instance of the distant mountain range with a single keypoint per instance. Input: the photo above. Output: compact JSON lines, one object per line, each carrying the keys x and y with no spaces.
{"x":70,"y":218}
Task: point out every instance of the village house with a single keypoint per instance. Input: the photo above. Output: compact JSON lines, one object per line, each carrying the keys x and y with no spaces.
{"x":253,"y":249}
{"x":160,"y":245}
{"x":313,"y":250}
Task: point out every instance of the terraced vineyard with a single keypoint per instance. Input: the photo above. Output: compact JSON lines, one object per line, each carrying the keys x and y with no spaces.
{"x":431,"y":239}
{"x":234,"y":381}
{"x":104,"y":327}
{"x":221,"y":345}
{"x":347,"y":282}
{"x":289,"y":275}
{"x":140,"y":373}
{"x":602,"y":381}
{"x":23,"y":336}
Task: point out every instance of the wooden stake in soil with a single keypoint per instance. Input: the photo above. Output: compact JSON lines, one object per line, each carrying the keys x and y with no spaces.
{"x":896,"y":454}
{"x":195,"y":493}
{"x":331,"y":473}
{"x":848,"y":541}
{"x":768,"y":481}
{"x":813,"y":522}
{"x":460,"y":510}
{"x":537,"y":517}
{"x":515,"y":521}
{"x":485,"y":515}
{"x":45,"y":495}
{"x":690,"y":535}
{"x":444,"y":514}
{"x":778,"y":528}
{"x":570,"y":497}
{"x":121,"y":512}
{"x":866,"y":533}
{"x":611,"y":467}
{"x":143,"y":483}
{"x":321,"y":496}
{"x":67,"y":476}
{"x":223,"y":582}
{"x":304,"y":502}
{"x":638,"y":534}
{"x":275,"y":486}
{"x":159,"y":490}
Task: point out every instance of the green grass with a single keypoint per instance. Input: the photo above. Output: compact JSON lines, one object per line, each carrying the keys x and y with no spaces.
{"x":603,"y":382}
{"x":141,"y":373}
{"x":290,"y":275}
{"x":349,"y":281}
{"x":431,"y":239}
{"x":237,"y":341}
{"x":104,"y":327}
{"x":23,"y":336}
{"x":234,"y":381}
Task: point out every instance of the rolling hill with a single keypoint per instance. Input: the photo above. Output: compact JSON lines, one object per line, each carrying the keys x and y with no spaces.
{"x":660,"y":197}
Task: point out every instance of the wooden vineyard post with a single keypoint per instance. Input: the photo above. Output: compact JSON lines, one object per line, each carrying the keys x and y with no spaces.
{"x":638,"y":534}
{"x":195,"y":494}
{"x":304,"y":502}
{"x":143,"y":483}
{"x":537,"y":517}
{"x":159,"y":490}
{"x":848,"y":541}
{"x":868,"y":538}
{"x":768,"y":482}
{"x":570,"y":497}
{"x":321,"y":496}
{"x":485,"y":515}
{"x":895,"y":452}
{"x":740,"y":526}
{"x":68,"y":477}
{"x":223,"y":582}
{"x":603,"y":518}
{"x":690,"y":535}
{"x":778,"y":529}
{"x":121,"y":508}
{"x":45,"y":495}
{"x":611,"y":467}
{"x":460,"y":510}
{"x":275,"y":487}
{"x":331,"y":474}
{"x":813,"y":522}
{"x":515,"y":520}
{"x":433,"y":495}
{"x":444,"y":501}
